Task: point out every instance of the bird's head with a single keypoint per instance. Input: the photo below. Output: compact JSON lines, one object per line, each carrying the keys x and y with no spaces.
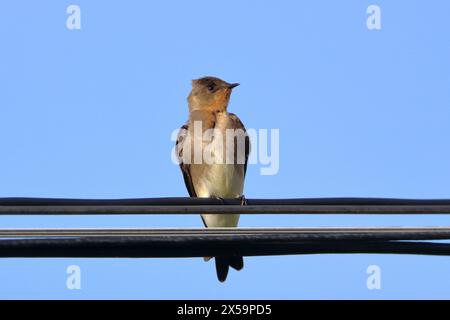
{"x":210,"y":94}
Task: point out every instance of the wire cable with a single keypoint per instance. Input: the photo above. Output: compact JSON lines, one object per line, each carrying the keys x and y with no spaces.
{"x":34,"y":206}
{"x":163,"y":243}
{"x":153,"y":243}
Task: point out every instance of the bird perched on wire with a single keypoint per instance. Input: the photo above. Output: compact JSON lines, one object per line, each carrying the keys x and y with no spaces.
{"x":213,"y":149}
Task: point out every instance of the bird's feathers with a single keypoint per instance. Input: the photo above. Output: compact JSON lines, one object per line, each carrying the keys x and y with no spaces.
{"x":213,"y":180}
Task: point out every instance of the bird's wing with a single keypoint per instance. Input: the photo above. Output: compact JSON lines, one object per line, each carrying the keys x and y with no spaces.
{"x":236,"y":123}
{"x":185,"y":168}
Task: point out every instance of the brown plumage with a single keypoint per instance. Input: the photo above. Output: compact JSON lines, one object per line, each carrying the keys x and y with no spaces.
{"x":220,"y":173}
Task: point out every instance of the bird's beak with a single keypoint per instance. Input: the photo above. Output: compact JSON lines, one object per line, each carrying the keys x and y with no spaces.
{"x":233,"y":85}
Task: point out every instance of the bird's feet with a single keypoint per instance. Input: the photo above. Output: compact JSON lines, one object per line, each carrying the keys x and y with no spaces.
{"x":243,"y":200}
{"x":220,"y":199}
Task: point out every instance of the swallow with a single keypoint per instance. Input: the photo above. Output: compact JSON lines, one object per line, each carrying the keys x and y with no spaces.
{"x":222,"y":174}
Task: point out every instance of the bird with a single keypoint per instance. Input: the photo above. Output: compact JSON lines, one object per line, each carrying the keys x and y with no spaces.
{"x":221,"y":175}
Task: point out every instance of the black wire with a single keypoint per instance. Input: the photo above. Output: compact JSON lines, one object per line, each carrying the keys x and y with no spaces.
{"x":36,"y":206}
{"x":234,"y":234}
{"x":158,"y":243}
{"x":213,"y":201}
{"x":142,"y":247}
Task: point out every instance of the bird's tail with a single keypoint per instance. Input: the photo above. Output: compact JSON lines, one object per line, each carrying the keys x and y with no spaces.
{"x":223,"y":264}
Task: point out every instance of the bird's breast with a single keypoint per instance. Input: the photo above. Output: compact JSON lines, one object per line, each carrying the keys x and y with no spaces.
{"x":220,"y":180}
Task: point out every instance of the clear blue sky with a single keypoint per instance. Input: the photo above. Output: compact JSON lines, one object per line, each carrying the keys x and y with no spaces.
{"x":88,"y":114}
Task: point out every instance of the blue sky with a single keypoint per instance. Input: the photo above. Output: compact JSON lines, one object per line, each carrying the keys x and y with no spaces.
{"x":89,"y":113}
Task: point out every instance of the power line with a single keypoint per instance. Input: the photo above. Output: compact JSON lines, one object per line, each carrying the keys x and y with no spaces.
{"x":162,"y":243}
{"x":33,"y":206}
{"x":263,"y":234}
{"x":141,"y":243}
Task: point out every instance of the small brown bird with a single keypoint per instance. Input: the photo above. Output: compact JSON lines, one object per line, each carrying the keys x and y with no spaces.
{"x":220,"y":173}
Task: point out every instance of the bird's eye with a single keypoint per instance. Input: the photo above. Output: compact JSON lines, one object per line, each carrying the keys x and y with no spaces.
{"x":211,"y":87}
